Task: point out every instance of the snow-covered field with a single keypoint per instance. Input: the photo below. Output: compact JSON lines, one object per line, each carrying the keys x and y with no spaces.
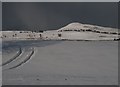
{"x":71,"y":55}
{"x":72,"y":31}
{"x":60,"y":62}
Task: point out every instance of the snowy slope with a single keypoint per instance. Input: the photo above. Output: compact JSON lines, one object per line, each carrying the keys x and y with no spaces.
{"x":79,"y":26}
{"x":78,"y":31}
{"x":73,"y":31}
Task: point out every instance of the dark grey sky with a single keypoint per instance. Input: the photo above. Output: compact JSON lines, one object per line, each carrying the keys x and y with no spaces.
{"x":53,"y":15}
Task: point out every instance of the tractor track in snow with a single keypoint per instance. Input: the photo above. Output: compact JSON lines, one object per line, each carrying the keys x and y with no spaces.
{"x":12,"y":59}
{"x":23,"y":61}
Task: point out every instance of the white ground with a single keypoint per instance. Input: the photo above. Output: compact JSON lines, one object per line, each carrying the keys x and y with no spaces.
{"x":66,"y":63}
{"x":79,"y":36}
{"x":50,"y":62}
{"x":8,"y":35}
{"x":69,"y":35}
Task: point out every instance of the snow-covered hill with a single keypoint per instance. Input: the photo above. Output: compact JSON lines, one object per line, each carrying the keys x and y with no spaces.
{"x":78,"y":31}
{"x":87,"y":27}
{"x":73,"y":31}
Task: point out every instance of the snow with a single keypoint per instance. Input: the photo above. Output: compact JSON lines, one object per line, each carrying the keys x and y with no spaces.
{"x":19,"y":35}
{"x":73,"y":31}
{"x":64,"y":63}
{"x":78,"y":26}
{"x":35,"y":58}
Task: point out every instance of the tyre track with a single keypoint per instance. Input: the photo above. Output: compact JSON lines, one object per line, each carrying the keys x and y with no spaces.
{"x":12,"y":59}
{"x":22,"y":62}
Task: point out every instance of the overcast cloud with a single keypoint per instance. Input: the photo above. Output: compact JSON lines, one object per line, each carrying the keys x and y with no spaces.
{"x":53,"y":15}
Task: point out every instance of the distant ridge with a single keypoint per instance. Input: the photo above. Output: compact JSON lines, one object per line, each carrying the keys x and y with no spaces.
{"x":78,"y":26}
{"x":72,"y":31}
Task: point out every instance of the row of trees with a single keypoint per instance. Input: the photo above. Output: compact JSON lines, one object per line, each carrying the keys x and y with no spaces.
{"x":89,"y":30}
